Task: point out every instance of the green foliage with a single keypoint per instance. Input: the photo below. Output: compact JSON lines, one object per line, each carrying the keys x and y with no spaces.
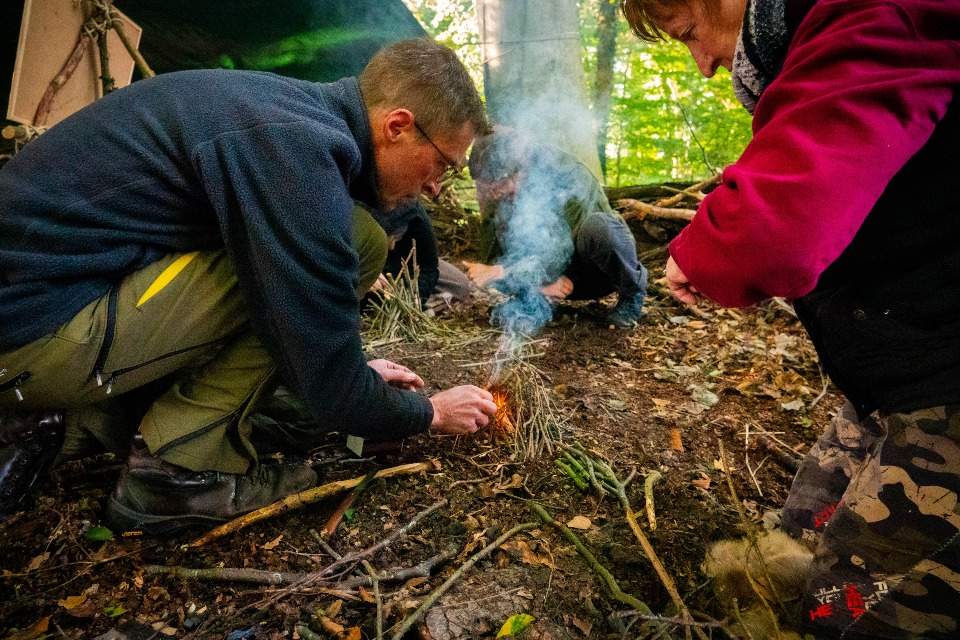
{"x":98,"y":534}
{"x":662,"y":110}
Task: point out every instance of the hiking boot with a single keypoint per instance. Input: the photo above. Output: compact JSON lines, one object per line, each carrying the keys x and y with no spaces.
{"x":160,"y":498}
{"x":29,"y":443}
{"x":628,"y":312}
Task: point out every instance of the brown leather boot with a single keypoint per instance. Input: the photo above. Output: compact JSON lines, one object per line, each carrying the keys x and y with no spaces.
{"x":29,"y":443}
{"x":160,"y":498}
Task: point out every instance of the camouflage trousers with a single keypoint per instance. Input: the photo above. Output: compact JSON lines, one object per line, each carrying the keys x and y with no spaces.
{"x":877,"y":501}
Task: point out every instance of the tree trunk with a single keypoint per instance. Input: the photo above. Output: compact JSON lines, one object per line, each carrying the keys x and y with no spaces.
{"x":607,"y":27}
{"x":533,"y":73}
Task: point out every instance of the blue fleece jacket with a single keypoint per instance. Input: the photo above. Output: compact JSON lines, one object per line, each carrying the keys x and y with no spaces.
{"x":264,"y":165}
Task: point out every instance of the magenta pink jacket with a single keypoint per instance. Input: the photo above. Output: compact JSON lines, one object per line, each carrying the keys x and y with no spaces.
{"x":863,"y":85}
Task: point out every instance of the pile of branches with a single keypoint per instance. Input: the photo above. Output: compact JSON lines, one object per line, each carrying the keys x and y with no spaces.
{"x":397,"y":313}
{"x":526,"y":411}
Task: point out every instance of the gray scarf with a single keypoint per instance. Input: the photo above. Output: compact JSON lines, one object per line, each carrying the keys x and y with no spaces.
{"x":761,"y":49}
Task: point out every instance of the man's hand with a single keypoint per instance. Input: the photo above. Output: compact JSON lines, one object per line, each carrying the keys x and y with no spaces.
{"x":558,"y":289}
{"x":396,"y":374}
{"x":461,"y":410}
{"x":483,"y":274}
{"x":679,"y":286}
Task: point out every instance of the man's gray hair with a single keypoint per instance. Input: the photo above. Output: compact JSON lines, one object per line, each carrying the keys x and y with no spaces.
{"x":429,"y":80}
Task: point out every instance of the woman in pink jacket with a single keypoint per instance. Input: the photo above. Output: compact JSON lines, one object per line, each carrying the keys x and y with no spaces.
{"x":845,"y":202}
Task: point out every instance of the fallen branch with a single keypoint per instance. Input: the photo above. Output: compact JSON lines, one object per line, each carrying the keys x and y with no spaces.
{"x":613,"y":587}
{"x":430,"y":600}
{"x":639,"y":210}
{"x":303,"y":498}
{"x":283,"y":578}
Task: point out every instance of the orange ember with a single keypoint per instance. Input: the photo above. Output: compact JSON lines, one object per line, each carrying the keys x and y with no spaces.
{"x":503,"y":420}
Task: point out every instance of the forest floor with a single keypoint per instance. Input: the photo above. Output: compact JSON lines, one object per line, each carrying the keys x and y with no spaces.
{"x":661,"y":397}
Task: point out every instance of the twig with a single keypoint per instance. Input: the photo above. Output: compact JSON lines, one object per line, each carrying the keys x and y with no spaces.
{"x":376,"y":595}
{"x":752,"y":536}
{"x":303,"y":498}
{"x":652,"y":477}
{"x":383,"y":544}
{"x":746,"y":459}
{"x":823,"y":392}
{"x":142,"y":65}
{"x":692,"y":191}
{"x":677,"y":621}
{"x":608,"y":580}
{"x":337,"y":516}
{"x":410,"y":620}
{"x":46,"y":102}
{"x":398,"y":574}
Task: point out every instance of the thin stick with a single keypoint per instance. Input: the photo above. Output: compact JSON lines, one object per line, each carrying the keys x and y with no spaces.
{"x":693,"y":191}
{"x":639,"y":210}
{"x":746,"y":459}
{"x":410,"y":620}
{"x":46,"y":102}
{"x":613,"y":587}
{"x":142,"y":65}
{"x":652,"y":477}
{"x":677,"y":621}
{"x":330,"y":527}
{"x":376,"y":595}
{"x":383,"y":544}
{"x":752,"y":536}
{"x":303,"y":498}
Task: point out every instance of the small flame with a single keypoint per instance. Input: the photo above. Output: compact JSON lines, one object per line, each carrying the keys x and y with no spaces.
{"x":503,"y":419}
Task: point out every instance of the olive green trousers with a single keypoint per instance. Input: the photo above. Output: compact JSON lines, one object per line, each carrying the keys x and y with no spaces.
{"x":169,"y":352}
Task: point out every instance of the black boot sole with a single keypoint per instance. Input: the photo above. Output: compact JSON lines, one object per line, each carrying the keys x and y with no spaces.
{"x":123,"y":520}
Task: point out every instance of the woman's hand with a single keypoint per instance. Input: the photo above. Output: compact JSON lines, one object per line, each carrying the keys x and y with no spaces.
{"x":679,"y":286}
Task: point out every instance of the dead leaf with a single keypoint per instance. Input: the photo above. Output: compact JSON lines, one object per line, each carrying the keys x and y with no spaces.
{"x":353,"y":633}
{"x":334,"y":609}
{"x":702,"y":483}
{"x":718,"y":465}
{"x":580,"y":522}
{"x":413,"y":583}
{"x":515,"y":482}
{"x":38,"y":561}
{"x":138,"y":581}
{"x":273,"y":543}
{"x":584,"y":626}
{"x":365,"y":595}
{"x":73,"y":602}
{"x":36,"y":630}
{"x":676,"y":443}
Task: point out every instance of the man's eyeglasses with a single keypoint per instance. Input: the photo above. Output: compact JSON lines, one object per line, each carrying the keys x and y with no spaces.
{"x":453,"y":168}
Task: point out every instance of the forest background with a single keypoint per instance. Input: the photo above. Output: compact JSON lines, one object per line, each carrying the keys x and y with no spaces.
{"x":665,"y":121}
